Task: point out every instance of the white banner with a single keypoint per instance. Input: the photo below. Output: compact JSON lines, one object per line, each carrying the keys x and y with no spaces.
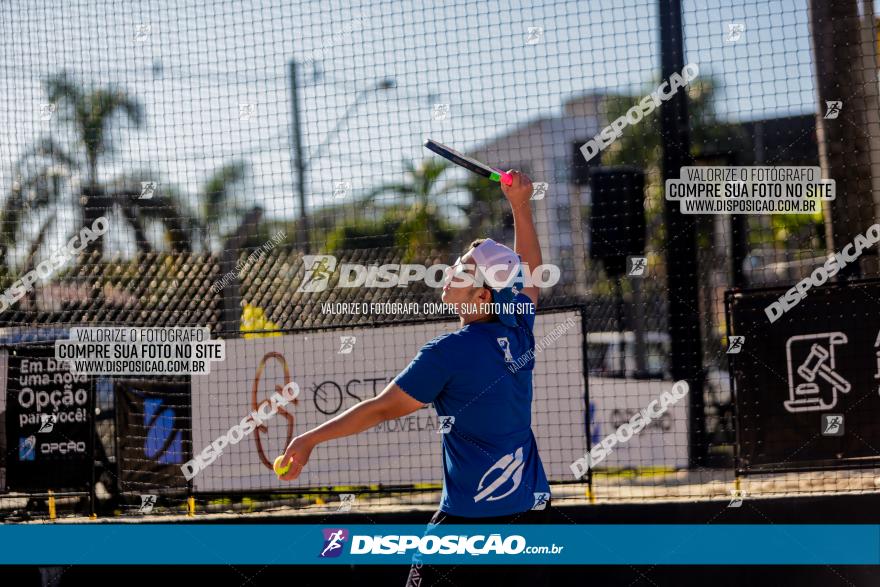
{"x":333,"y":376}
{"x":662,"y":443}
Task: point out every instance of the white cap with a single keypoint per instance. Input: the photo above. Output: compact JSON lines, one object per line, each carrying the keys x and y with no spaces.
{"x":498,"y":264}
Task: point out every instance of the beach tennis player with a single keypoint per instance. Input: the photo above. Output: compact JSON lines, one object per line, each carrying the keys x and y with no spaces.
{"x":479,"y":379}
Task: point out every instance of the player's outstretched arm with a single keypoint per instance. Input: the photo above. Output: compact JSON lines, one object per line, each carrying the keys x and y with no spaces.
{"x":392,"y":403}
{"x":526,"y":245}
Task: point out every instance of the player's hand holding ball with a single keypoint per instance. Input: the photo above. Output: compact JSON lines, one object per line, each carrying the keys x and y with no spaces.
{"x":279,"y":469}
{"x":289,"y":465}
{"x":519,"y":192}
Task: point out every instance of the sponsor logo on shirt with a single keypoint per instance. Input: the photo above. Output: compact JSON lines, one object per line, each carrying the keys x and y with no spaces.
{"x":505,"y":346}
{"x":511,"y":467}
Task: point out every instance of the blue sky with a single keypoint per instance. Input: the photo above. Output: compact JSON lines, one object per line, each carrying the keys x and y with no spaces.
{"x":470,"y":55}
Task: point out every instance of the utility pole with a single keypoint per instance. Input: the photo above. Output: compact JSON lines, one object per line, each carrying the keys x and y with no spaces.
{"x":231,"y":321}
{"x":686,"y":358}
{"x":297,"y":159}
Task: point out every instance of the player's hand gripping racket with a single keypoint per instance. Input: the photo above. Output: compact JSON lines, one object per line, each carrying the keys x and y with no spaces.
{"x":468,"y":163}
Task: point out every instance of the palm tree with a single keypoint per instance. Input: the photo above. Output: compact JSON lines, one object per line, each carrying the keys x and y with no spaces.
{"x":217,"y":207}
{"x":91,"y":112}
{"x":487,"y":213}
{"x":164,"y":207}
{"x":419,"y":223}
{"x":641,"y":145}
{"x":218,"y":203}
{"x":41,"y":171}
{"x":36,"y":189}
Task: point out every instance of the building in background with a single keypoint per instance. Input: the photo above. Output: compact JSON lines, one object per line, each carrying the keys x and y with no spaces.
{"x":548,"y":150}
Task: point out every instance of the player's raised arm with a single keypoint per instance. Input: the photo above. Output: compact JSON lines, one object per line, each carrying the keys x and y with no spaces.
{"x":526,"y":243}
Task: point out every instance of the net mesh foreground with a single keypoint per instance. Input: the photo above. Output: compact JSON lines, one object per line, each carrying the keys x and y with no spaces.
{"x":227,"y":146}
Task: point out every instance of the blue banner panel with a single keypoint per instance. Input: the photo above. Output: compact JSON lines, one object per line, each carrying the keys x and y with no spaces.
{"x":311,"y":544}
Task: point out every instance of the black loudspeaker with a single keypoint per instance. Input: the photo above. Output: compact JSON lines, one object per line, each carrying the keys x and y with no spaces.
{"x":580,"y":167}
{"x":617,"y":216}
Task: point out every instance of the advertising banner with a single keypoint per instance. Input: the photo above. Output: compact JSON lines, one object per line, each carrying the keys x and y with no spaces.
{"x":152,"y":421}
{"x":337,"y":369}
{"x":662,"y":443}
{"x":49,"y":422}
{"x":807,"y":384}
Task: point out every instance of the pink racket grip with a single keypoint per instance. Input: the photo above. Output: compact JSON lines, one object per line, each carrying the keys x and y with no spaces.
{"x":505,"y":178}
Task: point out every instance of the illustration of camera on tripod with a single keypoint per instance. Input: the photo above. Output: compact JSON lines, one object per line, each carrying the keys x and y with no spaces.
{"x":813,"y":382}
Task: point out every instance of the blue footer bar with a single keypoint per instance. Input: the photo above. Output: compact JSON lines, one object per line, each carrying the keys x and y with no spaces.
{"x":276,"y":544}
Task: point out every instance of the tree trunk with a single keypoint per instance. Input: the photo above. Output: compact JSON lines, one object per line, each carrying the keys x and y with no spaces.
{"x":140,"y":235}
{"x":94,"y":204}
{"x":30,"y":260}
{"x":231,"y":294}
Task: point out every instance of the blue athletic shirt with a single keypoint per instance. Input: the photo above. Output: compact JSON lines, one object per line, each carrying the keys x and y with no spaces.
{"x":491,"y":465}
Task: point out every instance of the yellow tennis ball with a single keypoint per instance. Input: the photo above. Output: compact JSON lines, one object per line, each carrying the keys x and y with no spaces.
{"x":279,"y":470}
